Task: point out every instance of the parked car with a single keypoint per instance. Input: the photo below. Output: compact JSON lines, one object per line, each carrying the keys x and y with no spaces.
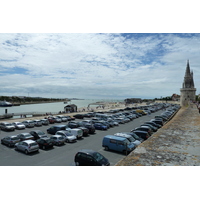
{"x":58,"y":139}
{"x":153,"y":128}
{"x":10,"y":140}
{"x":62,"y":117}
{"x":55,"y":128}
{"x":78,"y":133}
{"x":25,"y":136}
{"x":87,"y":125}
{"x":45,"y":143}
{"x":19,"y":125}
{"x":85,"y":130}
{"x":87,"y":157}
{"x":29,"y":123}
{"x":45,"y":121}
{"x":135,"y":136}
{"x":51,"y":119}
{"x":121,"y":144}
{"x":145,"y":128}
{"x":57,"y":119}
{"x":129,"y":137}
{"x":154,"y":124}
{"x":69,"y":137}
{"x":37,"y":134}
{"x":143,"y":134}
{"x":6,"y":126}
{"x":27,"y":146}
{"x":73,"y":124}
{"x":79,"y":116}
{"x":37,"y":122}
{"x":100,"y":126}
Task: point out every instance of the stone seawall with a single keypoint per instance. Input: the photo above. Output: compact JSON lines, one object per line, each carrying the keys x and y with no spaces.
{"x":177,"y":143}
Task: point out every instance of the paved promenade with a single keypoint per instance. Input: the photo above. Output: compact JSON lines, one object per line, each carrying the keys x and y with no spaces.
{"x":177,"y":143}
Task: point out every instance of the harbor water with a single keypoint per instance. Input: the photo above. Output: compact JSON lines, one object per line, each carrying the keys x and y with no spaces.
{"x":52,"y":107}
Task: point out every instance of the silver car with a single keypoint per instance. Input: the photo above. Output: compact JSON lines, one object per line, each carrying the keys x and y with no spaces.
{"x":25,"y":136}
{"x":6,"y":126}
{"x":29,"y":123}
{"x":69,"y":137}
{"x":58,"y":139}
{"x":45,"y":121}
{"x":19,"y":125}
{"x":37,"y":122}
{"x":27,"y":146}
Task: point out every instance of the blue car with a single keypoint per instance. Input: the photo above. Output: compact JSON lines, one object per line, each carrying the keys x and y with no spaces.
{"x":100,"y":126}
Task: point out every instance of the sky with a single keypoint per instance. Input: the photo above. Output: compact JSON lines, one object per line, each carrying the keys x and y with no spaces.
{"x":96,"y":65}
{"x":90,"y":50}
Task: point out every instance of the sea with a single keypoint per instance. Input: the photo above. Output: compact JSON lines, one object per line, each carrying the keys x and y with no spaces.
{"x":52,"y":107}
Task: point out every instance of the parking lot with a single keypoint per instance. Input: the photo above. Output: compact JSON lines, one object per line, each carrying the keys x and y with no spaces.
{"x":64,"y":155}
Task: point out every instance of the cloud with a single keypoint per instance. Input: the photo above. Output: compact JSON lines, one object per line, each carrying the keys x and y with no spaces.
{"x":93,"y":65}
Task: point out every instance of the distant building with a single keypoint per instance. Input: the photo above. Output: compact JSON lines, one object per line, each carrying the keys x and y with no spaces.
{"x":175,"y":97}
{"x":70,"y":108}
{"x":132,"y":100}
{"x":188,"y":92}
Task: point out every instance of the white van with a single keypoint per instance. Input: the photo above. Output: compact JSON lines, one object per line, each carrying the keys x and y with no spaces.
{"x":78,"y":133}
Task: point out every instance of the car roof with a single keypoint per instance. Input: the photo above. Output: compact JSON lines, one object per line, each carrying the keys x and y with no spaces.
{"x":29,"y":141}
{"x":87,"y":151}
{"x":115,"y":137}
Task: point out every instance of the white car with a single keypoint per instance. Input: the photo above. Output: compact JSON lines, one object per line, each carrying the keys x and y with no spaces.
{"x":69,"y":137}
{"x":78,"y":133}
{"x":27,"y":146}
{"x":19,"y":125}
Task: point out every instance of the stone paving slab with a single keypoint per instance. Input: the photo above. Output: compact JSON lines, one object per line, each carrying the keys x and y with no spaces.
{"x":177,"y":143}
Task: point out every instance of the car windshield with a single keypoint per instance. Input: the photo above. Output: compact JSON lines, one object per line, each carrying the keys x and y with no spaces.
{"x":14,"y":138}
{"x":27,"y":135}
{"x":40,"y":133}
{"x":98,"y":156}
{"x":131,"y":139}
{"x":8,"y":124}
{"x":69,"y":134}
{"x":135,"y":136}
{"x":126,"y":142}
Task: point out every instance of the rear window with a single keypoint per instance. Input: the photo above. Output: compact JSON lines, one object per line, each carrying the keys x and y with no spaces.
{"x":33,"y":144}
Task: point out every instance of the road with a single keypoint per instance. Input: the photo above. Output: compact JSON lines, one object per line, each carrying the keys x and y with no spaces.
{"x":64,"y":155}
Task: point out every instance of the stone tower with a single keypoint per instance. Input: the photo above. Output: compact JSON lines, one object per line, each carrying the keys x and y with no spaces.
{"x":188,"y":92}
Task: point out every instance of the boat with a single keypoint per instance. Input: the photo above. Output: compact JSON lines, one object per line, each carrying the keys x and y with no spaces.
{"x":5,"y":104}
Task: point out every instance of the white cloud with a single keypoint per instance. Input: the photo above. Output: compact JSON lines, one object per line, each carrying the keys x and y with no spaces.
{"x":90,"y":65}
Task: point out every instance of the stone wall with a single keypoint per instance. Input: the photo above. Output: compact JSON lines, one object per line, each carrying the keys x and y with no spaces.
{"x":177,"y":143}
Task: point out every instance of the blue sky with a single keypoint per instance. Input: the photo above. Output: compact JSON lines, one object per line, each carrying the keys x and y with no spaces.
{"x":96,"y":65}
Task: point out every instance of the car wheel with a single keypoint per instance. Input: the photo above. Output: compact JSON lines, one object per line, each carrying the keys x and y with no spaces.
{"x":26,"y":152}
{"x":9,"y":145}
{"x":43,"y":147}
{"x":77,"y":163}
{"x":106,"y":148}
{"x":67,"y":141}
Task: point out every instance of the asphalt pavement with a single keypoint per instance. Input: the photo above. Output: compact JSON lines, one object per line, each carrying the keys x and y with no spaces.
{"x":64,"y":155}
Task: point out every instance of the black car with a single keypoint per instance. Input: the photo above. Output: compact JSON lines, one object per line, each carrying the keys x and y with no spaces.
{"x":73,"y":125}
{"x":85,"y":130}
{"x":79,"y":116}
{"x":87,"y":157}
{"x":45,"y":143}
{"x":10,"y":140}
{"x":143,"y":134}
{"x":87,"y":125}
{"x":55,"y":128}
{"x":37,"y":134}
